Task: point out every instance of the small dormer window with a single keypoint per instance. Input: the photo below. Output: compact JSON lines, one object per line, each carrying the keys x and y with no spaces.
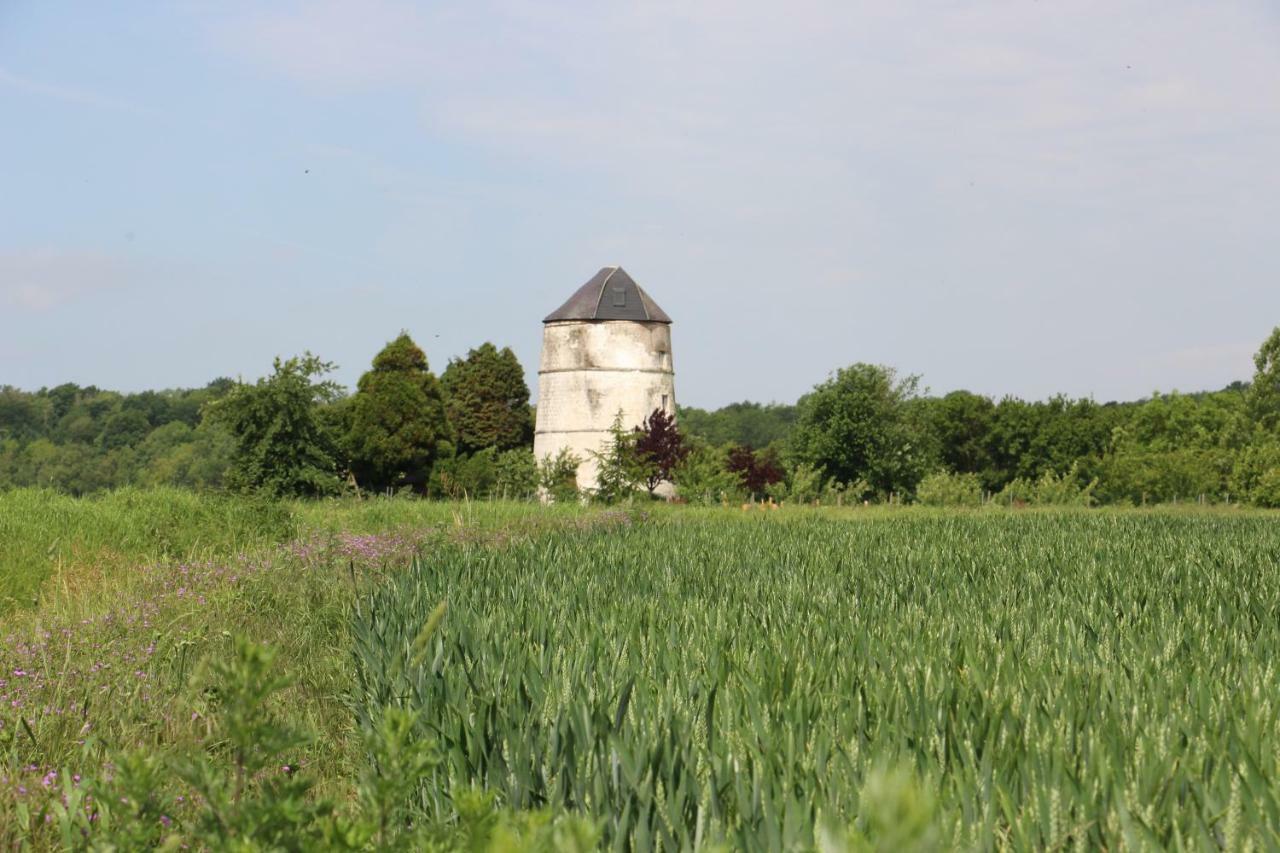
{"x":619,"y":295}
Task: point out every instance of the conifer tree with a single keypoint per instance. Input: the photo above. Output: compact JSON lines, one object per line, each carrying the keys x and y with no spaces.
{"x":488,"y":400}
{"x":617,"y":468}
{"x":398,"y":422}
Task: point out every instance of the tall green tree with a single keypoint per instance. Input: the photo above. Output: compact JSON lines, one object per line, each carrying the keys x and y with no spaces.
{"x":1255,"y":476}
{"x":960,"y":422}
{"x":124,"y":428}
{"x":1264,"y":393}
{"x":23,"y":416}
{"x":397,"y":419}
{"x":281,"y":445}
{"x":857,"y":424}
{"x":488,"y":400}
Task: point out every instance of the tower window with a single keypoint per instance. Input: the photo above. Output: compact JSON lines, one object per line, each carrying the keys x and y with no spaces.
{"x":664,"y":402}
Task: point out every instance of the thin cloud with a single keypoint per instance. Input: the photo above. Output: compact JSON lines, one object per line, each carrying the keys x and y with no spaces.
{"x":68,"y":94}
{"x":41,"y":280}
{"x":1029,"y":177}
{"x":331,"y":43}
{"x":1058,"y":98}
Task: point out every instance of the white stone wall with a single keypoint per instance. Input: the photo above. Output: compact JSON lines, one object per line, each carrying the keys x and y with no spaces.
{"x":590,"y":371}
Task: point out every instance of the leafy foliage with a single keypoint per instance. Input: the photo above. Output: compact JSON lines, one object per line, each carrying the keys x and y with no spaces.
{"x":1050,"y":489}
{"x":961,"y":424}
{"x":745,"y":423}
{"x":558,"y":476}
{"x":619,"y":470}
{"x":857,"y":424}
{"x":642,"y":457}
{"x":86,"y":440}
{"x":488,"y":400}
{"x":756,"y":470}
{"x":398,"y":419}
{"x":515,"y":475}
{"x":281,"y":445}
{"x":1255,"y":477}
{"x":802,"y":484}
{"x":510,"y":474}
{"x":943,"y":488}
{"x":704,"y":476}
{"x":658,"y":448}
{"x":1264,"y":392}
{"x":880,"y":435}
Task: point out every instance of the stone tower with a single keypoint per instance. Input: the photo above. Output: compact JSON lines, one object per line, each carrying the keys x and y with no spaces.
{"x":607,"y":349}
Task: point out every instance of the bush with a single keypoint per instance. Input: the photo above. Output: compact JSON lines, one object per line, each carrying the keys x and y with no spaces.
{"x":1051,"y":489}
{"x":619,"y":470}
{"x":464,"y":476}
{"x":804,"y":483}
{"x":515,"y":475}
{"x":1139,"y":475}
{"x":703,"y":477}
{"x":801,"y":484}
{"x":1267,"y":492}
{"x":488,"y":473}
{"x":282,"y":444}
{"x":945,"y":488}
{"x":558,"y":476}
{"x":1255,"y":478}
{"x":757,"y":470}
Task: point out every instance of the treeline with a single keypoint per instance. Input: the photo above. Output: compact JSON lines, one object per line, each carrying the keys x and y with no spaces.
{"x":84,"y":439}
{"x":292,"y":433}
{"x":747,"y":424}
{"x":867,"y":434}
{"x":864,"y":435}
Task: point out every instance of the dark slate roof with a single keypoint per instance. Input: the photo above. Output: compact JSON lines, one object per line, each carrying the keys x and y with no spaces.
{"x":610,"y":295}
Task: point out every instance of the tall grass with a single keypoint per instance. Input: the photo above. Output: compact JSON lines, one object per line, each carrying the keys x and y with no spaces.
{"x":105,"y":667}
{"x":377,"y":515}
{"x":46,"y":536}
{"x":52,"y":544}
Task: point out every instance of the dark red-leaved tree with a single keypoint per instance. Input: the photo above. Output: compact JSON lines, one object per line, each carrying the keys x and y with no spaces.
{"x":756,"y":470}
{"x":659,"y":448}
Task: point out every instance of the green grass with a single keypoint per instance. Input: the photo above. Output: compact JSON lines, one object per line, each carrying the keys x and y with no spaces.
{"x":872,"y":677}
{"x":348,"y":515}
{"x":54,"y":543}
{"x":103,"y":660}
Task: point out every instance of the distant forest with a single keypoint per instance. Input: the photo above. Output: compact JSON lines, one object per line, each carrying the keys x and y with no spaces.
{"x":866,"y":434}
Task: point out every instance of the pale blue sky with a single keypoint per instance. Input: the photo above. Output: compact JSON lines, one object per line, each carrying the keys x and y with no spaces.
{"x":1011,"y":197}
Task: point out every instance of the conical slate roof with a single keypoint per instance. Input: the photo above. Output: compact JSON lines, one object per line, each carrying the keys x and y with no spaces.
{"x":610,"y":295}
